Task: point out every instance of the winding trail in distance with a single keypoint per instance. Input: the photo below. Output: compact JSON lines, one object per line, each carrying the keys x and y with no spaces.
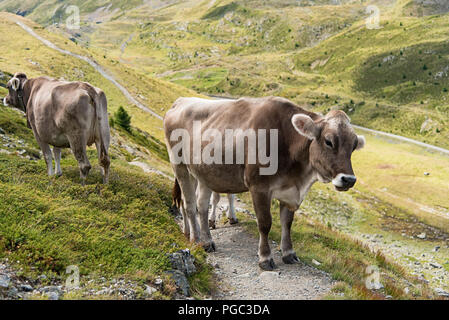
{"x":138,"y":104}
{"x":379,"y":133}
{"x":95,"y":65}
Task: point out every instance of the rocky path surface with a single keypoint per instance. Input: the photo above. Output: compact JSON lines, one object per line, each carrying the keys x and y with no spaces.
{"x":239,"y":276}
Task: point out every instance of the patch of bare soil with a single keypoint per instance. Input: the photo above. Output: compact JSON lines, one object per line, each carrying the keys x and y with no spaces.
{"x":239,"y":277}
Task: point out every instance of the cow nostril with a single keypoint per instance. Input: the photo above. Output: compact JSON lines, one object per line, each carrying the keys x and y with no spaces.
{"x":349,"y":180}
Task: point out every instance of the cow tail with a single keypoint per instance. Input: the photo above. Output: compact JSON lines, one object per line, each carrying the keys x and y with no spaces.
{"x":177,"y":195}
{"x":101,"y":110}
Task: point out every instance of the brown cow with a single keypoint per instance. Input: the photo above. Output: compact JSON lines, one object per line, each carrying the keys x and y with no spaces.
{"x":63,"y":114}
{"x":305,"y":147}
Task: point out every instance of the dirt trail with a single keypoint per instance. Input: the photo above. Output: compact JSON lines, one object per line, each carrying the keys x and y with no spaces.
{"x":236,"y":264}
{"x":239,"y":276}
{"x":94,"y":65}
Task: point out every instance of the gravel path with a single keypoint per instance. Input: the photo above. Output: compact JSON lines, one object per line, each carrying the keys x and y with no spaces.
{"x":239,"y":277}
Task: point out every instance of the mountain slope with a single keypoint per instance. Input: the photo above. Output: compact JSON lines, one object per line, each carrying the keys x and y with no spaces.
{"x":35,"y":59}
{"x":123,"y":230}
{"x":394,"y":78}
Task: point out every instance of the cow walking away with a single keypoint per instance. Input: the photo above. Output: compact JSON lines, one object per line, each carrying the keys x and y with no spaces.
{"x":63,"y":115}
{"x":309,"y":148}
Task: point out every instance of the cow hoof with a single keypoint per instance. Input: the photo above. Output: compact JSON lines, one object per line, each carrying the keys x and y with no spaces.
{"x":233,"y":221}
{"x":212,"y":224}
{"x":58,"y":174}
{"x":209,"y":247}
{"x":267,"y":265}
{"x":290,"y":259}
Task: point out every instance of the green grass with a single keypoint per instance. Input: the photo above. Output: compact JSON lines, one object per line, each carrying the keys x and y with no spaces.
{"x":120,"y":230}
{"x":394,"y":173}
{"x":302,"y":52}
{"x":35,"y":59}
{"x":277,"y":48}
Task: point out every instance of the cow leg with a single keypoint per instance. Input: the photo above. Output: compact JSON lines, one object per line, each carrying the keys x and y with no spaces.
{"x":104,"y":161}
{"x":78,"y":146}
{"x":288,"y":254}
{"x":185,"y":220}
{"x":47,"y":156}
{"x":212,"y":216}
{"x":231,"y":212}
{"x":57,"y":155}
{"x":204,"y":194}
{"x":187,"y":185}
{"x":262,"y":206}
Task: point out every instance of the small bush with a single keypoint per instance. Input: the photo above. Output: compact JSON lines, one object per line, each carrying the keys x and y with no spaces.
{"x":123,"y":119}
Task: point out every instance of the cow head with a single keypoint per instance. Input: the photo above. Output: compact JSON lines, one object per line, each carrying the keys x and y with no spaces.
{"x":15,"y":91}
{"x":333,"y":141}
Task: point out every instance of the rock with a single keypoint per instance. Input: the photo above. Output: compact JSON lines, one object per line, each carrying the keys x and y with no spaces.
{"x":158,"y":282}
{"x":4,"y":281}
{"x":181,"y":281}
{"x":436,"y":265}
{"x":421,"y":236}
{"x":150,"y":290}
{"x":52,"y":292}
{"x":105,"y":291}
{"x":42,"y":277}
{"x":183,"y":261}
{"x":25,"y":287}
{"x":441,"y":292}
{"x":269,"y":275}
{"x":13,"y":293}
{"x":52,"y":295}
{"x":316,"y":262}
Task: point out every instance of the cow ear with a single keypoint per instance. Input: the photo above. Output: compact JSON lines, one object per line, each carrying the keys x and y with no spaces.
{"x":305,"y":126}
{"x":15,"y":83}
{"x":361,"y":142}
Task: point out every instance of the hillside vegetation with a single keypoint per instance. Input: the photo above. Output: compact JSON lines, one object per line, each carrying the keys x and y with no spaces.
{"x":394,"y":78}
{"x":123,"y":230}
{"x":317,"y":54}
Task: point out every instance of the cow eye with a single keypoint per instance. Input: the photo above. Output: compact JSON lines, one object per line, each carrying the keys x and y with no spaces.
{"x":329,"y":143}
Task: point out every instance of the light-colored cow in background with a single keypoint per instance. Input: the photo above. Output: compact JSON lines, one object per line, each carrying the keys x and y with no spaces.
{"x":230,"y":213}
{"x":64,"y":115}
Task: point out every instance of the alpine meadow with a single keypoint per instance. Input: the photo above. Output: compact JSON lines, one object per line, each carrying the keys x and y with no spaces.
{"x":358,"y":91}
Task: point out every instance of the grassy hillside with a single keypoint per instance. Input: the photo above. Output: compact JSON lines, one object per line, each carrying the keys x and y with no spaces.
{"x":394,"y":78}
{"x":319,"y":55}
{"x":120,"y":231}
{"x":35,"y":59}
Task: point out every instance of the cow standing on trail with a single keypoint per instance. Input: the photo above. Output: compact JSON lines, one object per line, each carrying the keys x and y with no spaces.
{"x":309,"y":148}
{"x":65,"y":115}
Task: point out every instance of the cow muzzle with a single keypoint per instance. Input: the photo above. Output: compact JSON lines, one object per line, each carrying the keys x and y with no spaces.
{"x":344,"y":182}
